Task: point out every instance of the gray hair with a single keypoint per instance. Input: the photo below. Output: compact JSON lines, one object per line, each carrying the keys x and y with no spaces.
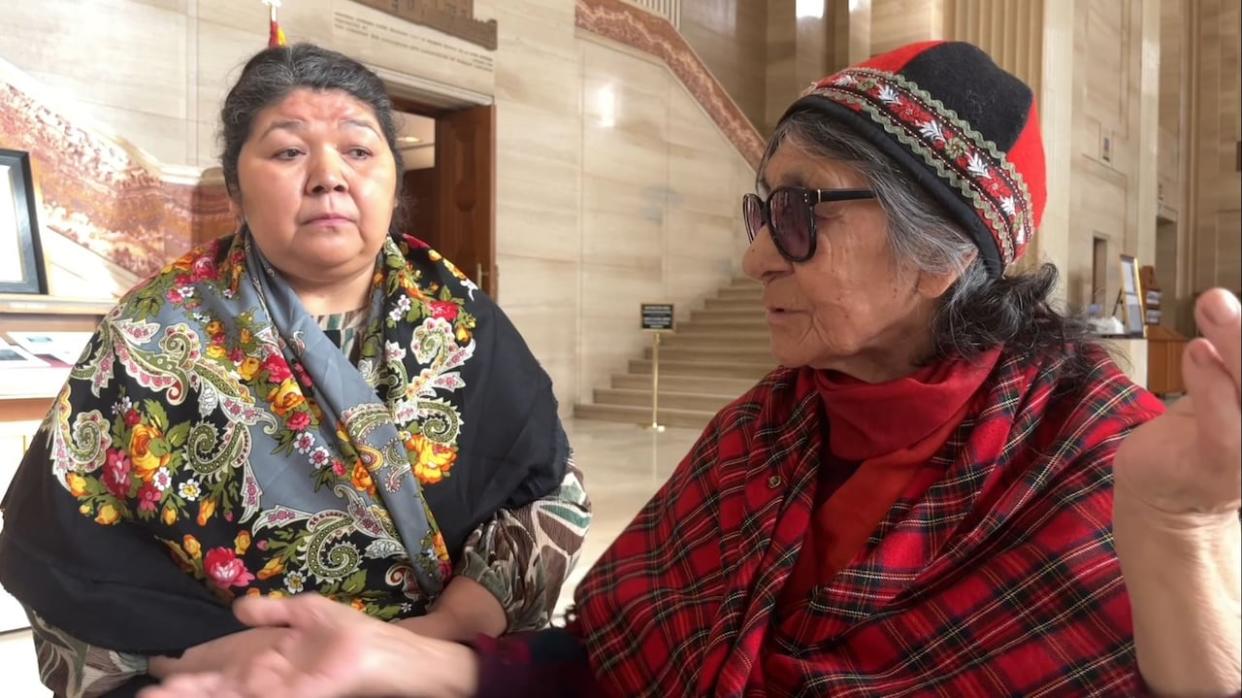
{"x":977,"y":313}
{"x":275,"y":72}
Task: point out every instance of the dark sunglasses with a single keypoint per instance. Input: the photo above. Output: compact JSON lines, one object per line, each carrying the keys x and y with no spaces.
{"x":789,"y":214}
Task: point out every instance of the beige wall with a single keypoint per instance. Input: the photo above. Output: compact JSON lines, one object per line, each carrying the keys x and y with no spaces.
{"x":592,"y":218}
{"x":1106,"y":109}
{"x":731,"y":38}
{"x":895,"y":23}
{"x":781,"y":70}
{"x":1200,"y":124}
{"x":763,"y":53}
{"x":1216,"y":226}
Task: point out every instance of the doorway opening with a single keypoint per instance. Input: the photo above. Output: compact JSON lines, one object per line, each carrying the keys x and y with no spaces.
{"x":449,"y":183}
{"x":1099,"y":277}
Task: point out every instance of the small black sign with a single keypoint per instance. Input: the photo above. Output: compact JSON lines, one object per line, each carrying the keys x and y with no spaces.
{"x":658,"y":316}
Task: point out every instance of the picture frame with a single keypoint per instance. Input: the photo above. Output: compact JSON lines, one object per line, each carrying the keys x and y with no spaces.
{"x":21,"y":254}
{"x":1133,"y":312}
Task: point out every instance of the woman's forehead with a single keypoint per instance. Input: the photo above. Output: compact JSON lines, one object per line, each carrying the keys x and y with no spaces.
{"x":304,"y":106}
{"x":793,"y":166}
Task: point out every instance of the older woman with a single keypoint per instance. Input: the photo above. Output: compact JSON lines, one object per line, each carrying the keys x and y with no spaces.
{"x":919,"y":501}
{"x":315,"y":404}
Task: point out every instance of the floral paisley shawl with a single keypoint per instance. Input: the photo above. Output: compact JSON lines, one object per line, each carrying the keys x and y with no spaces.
{"x":213,"y":442}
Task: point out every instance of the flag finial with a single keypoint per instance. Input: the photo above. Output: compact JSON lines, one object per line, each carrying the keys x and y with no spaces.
{"x":275,"y":35}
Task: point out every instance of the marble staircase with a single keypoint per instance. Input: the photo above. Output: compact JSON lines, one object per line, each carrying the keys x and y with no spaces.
{"x":710,"y":360}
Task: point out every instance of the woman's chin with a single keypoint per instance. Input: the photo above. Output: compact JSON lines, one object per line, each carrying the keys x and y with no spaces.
{"x":790,"y":357}
{"x":331,"y":251}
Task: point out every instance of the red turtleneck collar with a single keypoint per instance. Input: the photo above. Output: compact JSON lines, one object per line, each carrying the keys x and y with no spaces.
{"x":869,"y":420}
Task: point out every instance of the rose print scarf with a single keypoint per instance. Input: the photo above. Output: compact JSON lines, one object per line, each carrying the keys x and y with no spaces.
{"x":212,"y":442}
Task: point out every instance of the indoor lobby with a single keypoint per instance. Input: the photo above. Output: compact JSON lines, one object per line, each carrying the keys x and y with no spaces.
{"x":583,"y":163}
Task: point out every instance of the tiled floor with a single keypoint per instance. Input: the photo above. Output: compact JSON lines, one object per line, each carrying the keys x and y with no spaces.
{"x":623,"y":466}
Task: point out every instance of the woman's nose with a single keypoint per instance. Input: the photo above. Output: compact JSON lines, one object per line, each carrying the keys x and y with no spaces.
{"x":325,"y":176}
{"x":761,"y":258}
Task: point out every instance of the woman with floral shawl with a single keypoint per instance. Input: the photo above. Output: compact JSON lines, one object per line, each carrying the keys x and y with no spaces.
{"x":314,"y":404}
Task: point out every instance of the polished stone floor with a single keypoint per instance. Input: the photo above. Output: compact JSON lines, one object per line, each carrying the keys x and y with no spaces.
{"x":623,"y":466}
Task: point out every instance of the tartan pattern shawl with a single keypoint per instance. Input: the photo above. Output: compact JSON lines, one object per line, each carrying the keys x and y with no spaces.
{"x":1001,"y":579}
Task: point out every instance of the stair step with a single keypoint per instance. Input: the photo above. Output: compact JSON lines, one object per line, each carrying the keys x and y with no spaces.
{"x":733,"y":324}
{"x":697,"y":331}
{"x":693,"y":419}
{"x":671,"y":400}
{"x":749,"y":292}
{"x":703,"y":385}
{"x":751,"y":313}
{"x":748,"y":305}
{"x":720,"y":352}
{"x":726,"y":369}
{"x":712,"y":342}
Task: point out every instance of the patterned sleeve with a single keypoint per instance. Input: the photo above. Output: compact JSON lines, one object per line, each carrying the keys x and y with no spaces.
{"x":74,"y":669}
{"x":523,"y":556}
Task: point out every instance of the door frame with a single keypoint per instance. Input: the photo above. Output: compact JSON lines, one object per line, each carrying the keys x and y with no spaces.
{"x":434,"y":100}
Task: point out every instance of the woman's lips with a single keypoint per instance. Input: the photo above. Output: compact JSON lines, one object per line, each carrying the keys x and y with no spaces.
{"x":779,"y":314}
{"x":329,"y":219}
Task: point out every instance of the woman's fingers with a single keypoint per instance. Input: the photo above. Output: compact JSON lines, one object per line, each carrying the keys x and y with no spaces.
{"x":1219,"y":316}
{"x":307,"y":610}
{"x":1218,"y":419}
{"x":189,"y":686}
{"x":1212,"y":390}
{"x":262,"y":611}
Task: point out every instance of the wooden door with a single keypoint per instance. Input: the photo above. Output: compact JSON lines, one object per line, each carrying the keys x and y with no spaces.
{"x":422,"y":203}
{"x":465,"y":174}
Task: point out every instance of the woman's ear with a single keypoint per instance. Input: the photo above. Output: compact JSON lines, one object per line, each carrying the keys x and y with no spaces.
{"x":235,"y":209}
{"x":932,"y":286}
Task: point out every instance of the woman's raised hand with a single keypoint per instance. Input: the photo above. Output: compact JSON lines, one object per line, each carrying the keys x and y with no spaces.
{"x":1188,"y":461}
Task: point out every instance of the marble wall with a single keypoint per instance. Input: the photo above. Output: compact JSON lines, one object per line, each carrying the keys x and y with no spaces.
{"x":620,"y":158}
{"x":781,"y":82}
{"x":1106,"y":145}
{"x":1216,"y":228}
{"x":765,"y":52}
{"x":896,"y":23}
{"x":1200,"y":125}
{"x":615,"y":185}
{"x":731,"y":38}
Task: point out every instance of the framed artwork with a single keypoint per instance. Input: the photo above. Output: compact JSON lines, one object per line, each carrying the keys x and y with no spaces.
{"x":21,"y":256}
{"x":1132,"y":313}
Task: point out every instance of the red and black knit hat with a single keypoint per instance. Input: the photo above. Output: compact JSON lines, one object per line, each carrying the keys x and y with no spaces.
{"x":962,"y":127}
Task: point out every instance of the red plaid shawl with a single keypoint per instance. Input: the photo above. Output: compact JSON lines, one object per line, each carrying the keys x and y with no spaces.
{"x":999,"y":580}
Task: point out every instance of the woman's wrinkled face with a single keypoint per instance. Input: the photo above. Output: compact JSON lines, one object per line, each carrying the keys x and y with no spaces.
{"x":851,"y":307}
{"x":317,"y":185}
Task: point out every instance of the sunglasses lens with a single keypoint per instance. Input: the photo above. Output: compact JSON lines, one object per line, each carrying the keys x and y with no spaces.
{"x":792,"y":224}
{"x":752,"y":215}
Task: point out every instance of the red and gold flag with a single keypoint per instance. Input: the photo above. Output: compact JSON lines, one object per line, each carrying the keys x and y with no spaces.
{"x":275,"y":35}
